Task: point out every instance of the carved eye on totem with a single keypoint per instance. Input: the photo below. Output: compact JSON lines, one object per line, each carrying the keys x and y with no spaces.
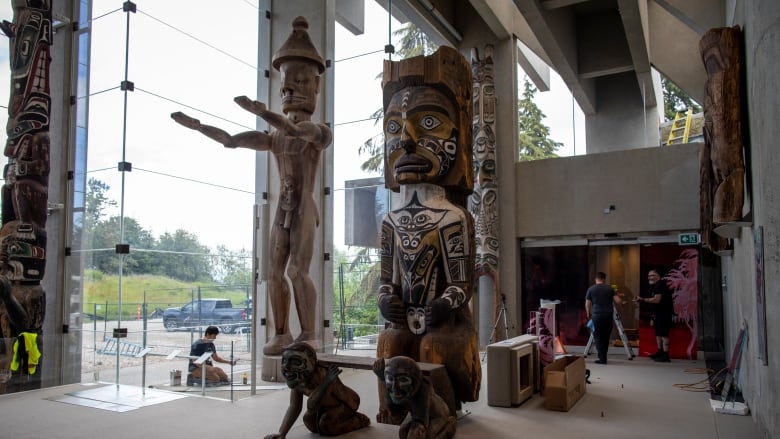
{"x":393,"y":127}
{"x":429,"y":122}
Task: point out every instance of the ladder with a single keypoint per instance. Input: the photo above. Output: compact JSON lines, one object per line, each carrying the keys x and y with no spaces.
{"x":681,"y":128}
{"x":621,"y":333}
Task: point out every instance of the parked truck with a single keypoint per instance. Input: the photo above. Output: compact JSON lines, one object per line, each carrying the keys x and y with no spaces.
{"x":205,"y":312}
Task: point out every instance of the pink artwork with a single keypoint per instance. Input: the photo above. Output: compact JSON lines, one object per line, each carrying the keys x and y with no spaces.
{"x":683,"y":281}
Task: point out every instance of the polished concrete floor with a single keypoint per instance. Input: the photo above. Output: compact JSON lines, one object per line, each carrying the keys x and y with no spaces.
{"x":626,"y":399}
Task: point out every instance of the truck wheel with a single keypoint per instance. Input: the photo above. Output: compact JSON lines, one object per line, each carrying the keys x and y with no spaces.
{"x":170,"y":325}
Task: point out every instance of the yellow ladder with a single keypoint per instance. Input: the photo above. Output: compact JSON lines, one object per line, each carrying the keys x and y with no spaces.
{"x":681,"y":124}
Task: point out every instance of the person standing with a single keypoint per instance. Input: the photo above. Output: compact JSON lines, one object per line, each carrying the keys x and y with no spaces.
{"x":599,"y":300}
{"x":201,"y":346}
{"x":661,"y":298}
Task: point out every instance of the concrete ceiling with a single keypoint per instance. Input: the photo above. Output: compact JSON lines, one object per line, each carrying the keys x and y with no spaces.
{"x":589,"y":40}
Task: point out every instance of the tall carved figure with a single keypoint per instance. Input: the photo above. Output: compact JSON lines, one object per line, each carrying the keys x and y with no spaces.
{"x":427,"y":244}
{"x":296,"y":143}
{"x":723,"y":169}
{"x":483,"y":203}
{"x":25,"y":196}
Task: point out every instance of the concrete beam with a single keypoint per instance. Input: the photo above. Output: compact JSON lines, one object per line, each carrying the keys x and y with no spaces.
{"x":555,"y":30}
{"x":352,"y":15}
{"x":538,"y":72}
{"x":632,"y":13}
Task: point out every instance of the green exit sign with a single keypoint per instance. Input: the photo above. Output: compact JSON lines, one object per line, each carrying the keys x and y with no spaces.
{"x":688,"y":238}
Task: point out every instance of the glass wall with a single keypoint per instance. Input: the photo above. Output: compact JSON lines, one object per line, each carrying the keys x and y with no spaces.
{"x":162,"y":216}
{"x":167,"y":212}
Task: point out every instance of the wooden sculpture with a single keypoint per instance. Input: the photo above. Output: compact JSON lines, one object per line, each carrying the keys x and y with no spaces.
{"x":296,"y":143}
{"x":721,"y":51}
{"x":25,"y":197}
{"x":428,"y":416}
{"x":331,"y":409}
{"x":483,"y":203}
{"x":427,"y":244}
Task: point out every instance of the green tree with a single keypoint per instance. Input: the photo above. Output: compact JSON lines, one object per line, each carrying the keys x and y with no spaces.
{"x":534,"y":141}
{"x":106,"y":235}
{"x":96,"y":202}
{"x":676,"y":100}
{"x":232,"y":268}
{"x":184,"y":257}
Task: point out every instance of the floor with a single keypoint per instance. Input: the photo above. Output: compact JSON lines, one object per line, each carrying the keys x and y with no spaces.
{"x":636,"y":399}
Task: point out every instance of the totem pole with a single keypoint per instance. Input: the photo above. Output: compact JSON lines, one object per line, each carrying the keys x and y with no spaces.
{"x":24,"y":196}
{"x":722,"y":166}
{"x":427,"y":244}
{"x":483,"y":203}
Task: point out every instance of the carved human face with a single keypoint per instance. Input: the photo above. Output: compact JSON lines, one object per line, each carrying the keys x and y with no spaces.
{"x":300,"y":85}
{"x":421,"y":139}
{"x":297,"y":367}
{"x":402,"y":379}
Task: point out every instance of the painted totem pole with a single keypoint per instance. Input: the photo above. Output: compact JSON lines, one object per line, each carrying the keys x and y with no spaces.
{"x":24,"y":196}
{"x":427,"y":244}
{"x":483,"y":203}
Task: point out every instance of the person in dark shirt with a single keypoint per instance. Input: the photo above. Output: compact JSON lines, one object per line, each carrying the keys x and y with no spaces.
{"x":201,"y":346}
{"x":598,"y":307}
{"x":660,"y":296}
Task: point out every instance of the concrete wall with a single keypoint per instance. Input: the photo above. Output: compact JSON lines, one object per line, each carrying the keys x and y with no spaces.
{"x":651,"y":189}
{"x":760,"y":383}
{"x":622,"y":120}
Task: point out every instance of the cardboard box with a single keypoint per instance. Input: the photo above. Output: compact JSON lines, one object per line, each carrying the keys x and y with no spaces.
{"x":564,"y":382}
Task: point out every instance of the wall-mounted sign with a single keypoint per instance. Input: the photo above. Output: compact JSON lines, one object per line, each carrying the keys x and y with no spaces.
{"x":688,"y":238}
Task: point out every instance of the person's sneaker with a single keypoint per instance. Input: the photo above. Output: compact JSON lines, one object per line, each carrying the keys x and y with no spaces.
{"x":656,"y":354}
{"x":663,"y":358}
{"x":600,"y":362}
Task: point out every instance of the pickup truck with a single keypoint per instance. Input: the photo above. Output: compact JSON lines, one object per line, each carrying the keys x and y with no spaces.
{"x":204,"y":312}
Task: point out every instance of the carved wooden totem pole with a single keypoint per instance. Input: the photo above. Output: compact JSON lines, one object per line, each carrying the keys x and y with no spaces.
{"x":296,"y":144}
{"x":483,"y":203}
{"x":722,"y":166}
{"x":427,"y":244}
{"x":24,"y":197}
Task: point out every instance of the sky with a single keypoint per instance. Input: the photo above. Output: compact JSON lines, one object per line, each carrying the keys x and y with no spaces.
{"x":187,"y":55}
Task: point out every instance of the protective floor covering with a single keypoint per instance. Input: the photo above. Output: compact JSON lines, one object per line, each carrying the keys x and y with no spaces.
{"x":117,"y":398}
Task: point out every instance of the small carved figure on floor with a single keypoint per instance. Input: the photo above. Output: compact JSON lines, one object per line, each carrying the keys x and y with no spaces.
{"x":427,"y":243}
{"x":331,"y":409}
{"x":296,"y":143}
{"x":428,"y":416}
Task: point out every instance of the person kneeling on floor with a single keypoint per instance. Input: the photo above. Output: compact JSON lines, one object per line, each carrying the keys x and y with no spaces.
{"x":214,"y":375}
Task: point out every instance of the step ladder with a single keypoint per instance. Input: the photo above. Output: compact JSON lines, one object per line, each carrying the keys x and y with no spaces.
{"x":681,"y":128}
{"x":621,"y":333}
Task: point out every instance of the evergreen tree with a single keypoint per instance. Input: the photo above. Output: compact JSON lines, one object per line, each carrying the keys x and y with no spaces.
{"x":534,"y":141}
{"x":676,"y":100}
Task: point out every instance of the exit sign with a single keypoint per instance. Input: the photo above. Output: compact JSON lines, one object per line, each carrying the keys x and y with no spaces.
{"x":688,"y":238}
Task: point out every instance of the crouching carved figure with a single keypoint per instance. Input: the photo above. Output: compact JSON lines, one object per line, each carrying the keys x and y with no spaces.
{"x":428,"y":416}
{"x":331,"y":409}
{"x":427,"y":245}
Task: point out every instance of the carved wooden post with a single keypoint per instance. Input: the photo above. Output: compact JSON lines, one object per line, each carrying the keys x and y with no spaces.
{"x":25,"y":196}
{"x":427,"y":244}
{"x":722,"y":184}
{"x":483,"y":203}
